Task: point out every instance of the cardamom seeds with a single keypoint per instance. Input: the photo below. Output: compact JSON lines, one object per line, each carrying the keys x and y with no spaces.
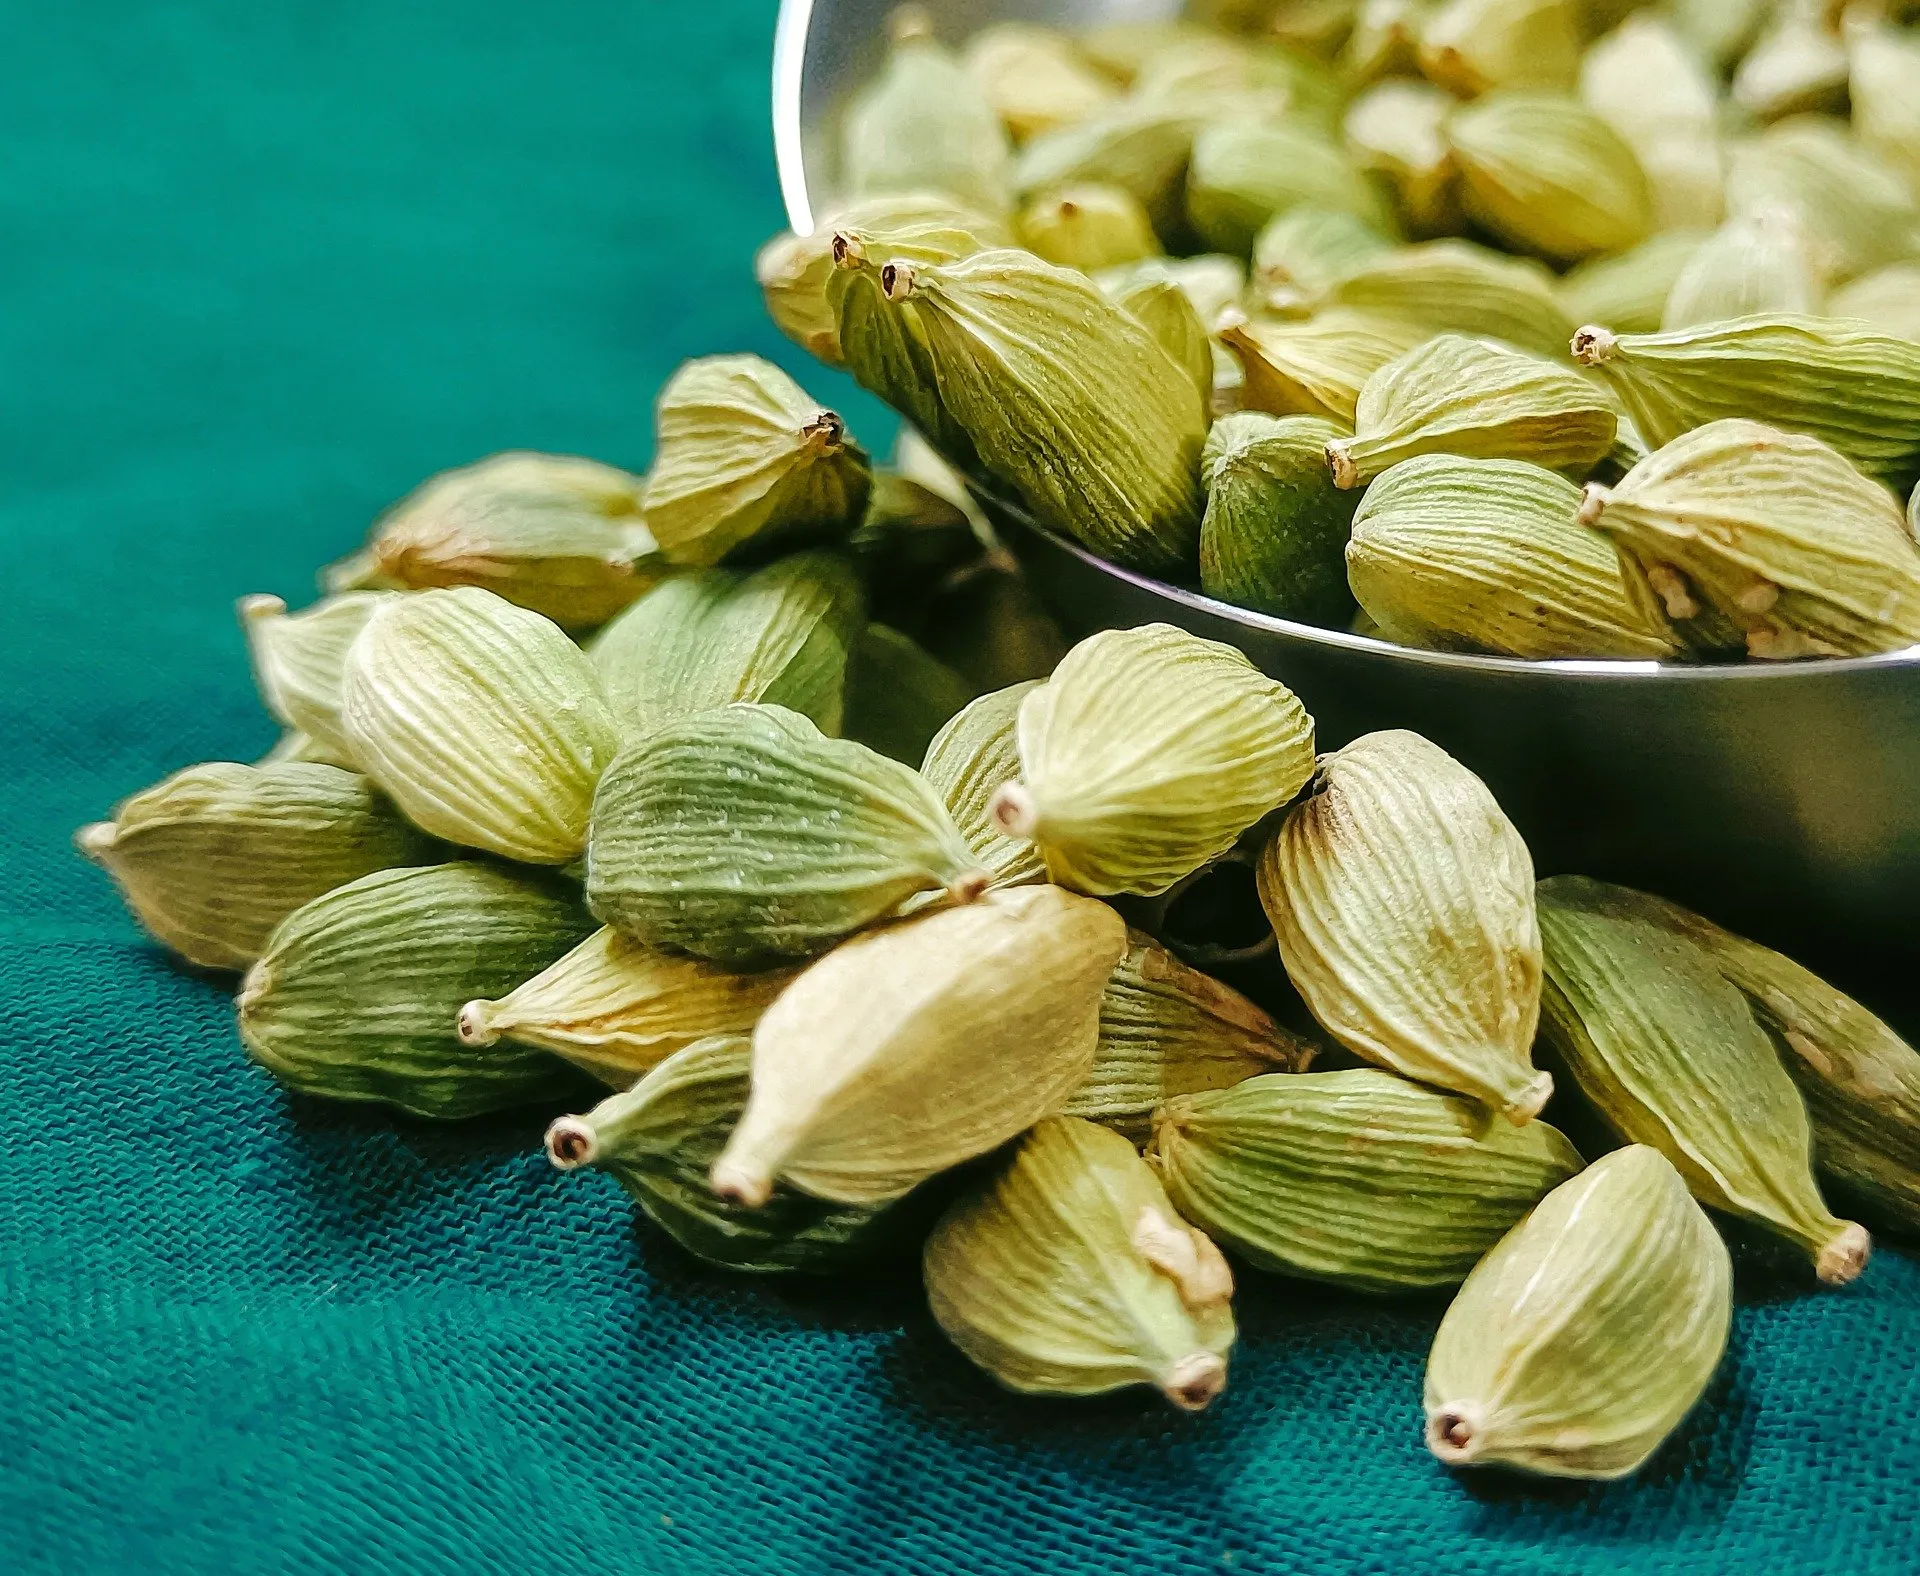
{"x":1315,"y":368}
{"x":1089,"y":225}
{"x":1456,"y":287}
{"x":1628,"y":292}
{"x":300,"y":660}
{"x":1396,"y":133}
{"x":898,"y":695}
{"x":1759,"y":264}
{"x":967,"y":762}
{"x":1471,"y":47}
{"x":1244,"y":172}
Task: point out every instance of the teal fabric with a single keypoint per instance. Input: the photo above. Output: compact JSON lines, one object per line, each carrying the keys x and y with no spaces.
{"x":262,"y":267}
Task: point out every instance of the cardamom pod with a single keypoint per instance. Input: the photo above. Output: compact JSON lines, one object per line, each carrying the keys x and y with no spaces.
{"x":563,"y":537}
{"x":1403,"y":900}
{"x":1670,"y":1055}
{"x":1244,"y":172}
{"x":213,"y":857}
{"x":1359,"y":1177}
{"x":1275,"y":530}
{"x":898,"y":695}
{"x":1857,"y":213}
{"x":1489,"y":555}
{"x":1777,"y":532}
{"x":1471,"y":47}
{"x":1456,"y":287}
{"x":1318,"y":367}
{"x":1759,"y":264}
{"x":1033,"y":77}
{"x":1587,"y":1334}
{"x":745,"y":835}
{"x":1226,"y":78}
{"x":1798,"y":65}
{"x":967,"y":762}
{"x":1147,"y":754}
{"x":617,"y":1008}
{"x":1478,"y":399}
{"x":1888,"y":299}
{"x":1396,"y":133}
{"x":1165,"y":311}
{"x":481,"y":720}
{"x":657,"y":1140}
{"x":1883,"y":64}
{"x":1212,"y":281}
{"x":1628,"y":292}
{"x":1646,"y":83}
{"x":912,"y":1048}
{"x":746,"y":462}
{"x":1068,"y":1273}
{"x":1301,"y":254}
{"x":1089,"y":225}
{"x":358,"y":992}
{"x":1141,"y":145}
{"x":300,"y":660}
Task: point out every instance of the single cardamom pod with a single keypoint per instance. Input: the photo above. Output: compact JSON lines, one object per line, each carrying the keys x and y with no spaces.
{"x":745,"y":835}
{"x":358,"y":992}
{"x":1489,"y":555}
{"x":1478,"y":399}
{"x":1301,"y":254}
{"x":1358,"y":1177}
{"x":1587,"y":1334}
{"x":1456,"y":287}
{"x":899,"y":696}
{"x":1403,"y":900}
{"x":563,"y":537}
{"x":1888,"y":299}
{"x":1670,"y":1055}
{"x":782,"y":634}
{"x":213,"y":857}
{"x":914,"y":542}
{"x":1244,"y":172}
{"x":300,"y":660}
{"x":1548,"y":176}
{"x":1471,"y":47}
{"x":1759,"y":264}
{"x":1396,"y":131}
{"x":1883,"y":64}
{"x":747,"y":462}
{"x":1627,"y":293}
{"x":1275,"y":531}
{"x":617,"y":1008}
{"x":1318,"y":367}
{"x":1141,"y":145}
{"x":1034,"y":78}
{"x":1212,"y":281}
{"x":922,"y":123}
{"x":1147,"y":754}
{"x":1089,"y":225}
{"x":912,"y":1048}
{"x":1798,"y":65}
{"x":1059,"y":393}
{"x":967,"y":762}
{"x":1068,"y":1273}
{"x":1166,"y":312}
{"x":1856,"y":212}
{"x":1777,"y":532}
{"x":481,"y":720}
{"x":1646,"y":83}
{"x":657,"y":1140}
{"x":1167,"y":1031}
{"x":1847,"y":384}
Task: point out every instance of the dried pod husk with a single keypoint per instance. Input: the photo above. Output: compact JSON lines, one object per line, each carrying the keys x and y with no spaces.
{"x":923,"y":123}
{"x":561,"y":536}
{"x":912,"y":1048}
{"x":1627,"y":293}
{"x":1798,"y":65}
{"x":1884,"y":65}
{"x":1845,"y":383}
{"x":1275,"y":531}
{"x":1670,"y":1054}
{"x":1489,"y":555}
{"x":1756,"y":265}
{"x":1646,"y":83}
{"x":1212,"y":281}
{"x":1059,"y":393}
{"x":300,"y":660}
{"x":1548,"y":176}
{"x":1588,"y":1333}
{"x":211,"y":859}
{"x":1300,"y":255}
{"x":1316,"y":367}
{"x":747,"y":463}
{"x":1147,"y":754}
{"x":1034,"y":78}
{"x":967,"y":762}
{"x":1479,"y":399}
{"x":481,"y":720}
{"x":1888,"y":298}
{"x":617,"y":1008}
{"x":357,"y":994}
{"x":1166,"y":311}
{"x":913,"y":541}
{"x":1777,"y":532}
{"x":1475,"y":46}
{"x":1396,"y":133}
{"x":745,"y":835}
{"x":1460,"y":288}
{"x":1087,"y":226}
{"x":1166,"y":1031}
{"x":1403,"y":900}
{"x":1856,"y":213}
{"x":1141,"y":145}
{"x":899,"y":695}
{"x":1359,"y":1177}
{"x":992,"y":630}
{"x":1245,"y":171}
{"x":1068,"y":1273}
{"x":782,"y":634}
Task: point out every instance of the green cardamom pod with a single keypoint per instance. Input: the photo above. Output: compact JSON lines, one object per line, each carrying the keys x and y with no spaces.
{"x":1300,"y":255}
{"x":782,"y":634}
{"x":899,"y":696}
{"x":1245,"y":171}
{"x":657,"y":1140}
{"x":1489,"y":555}
{"x":1212,"y":281}
{"x":617,"y":1008}
{"x":300,"y":660}
{"x":1883,"y":64}
{"x":481,"y":720}
{"x":563,"y":537}
{"x":1478,"y":399}
{"x":1034,"y":78}
{"x":1754,"y":265}
{"x":1888,"y":298}
{"x":1670,"y":1055}
{"x":1402,"y":897}
{"x":1644,"y":81}
{"x":1797,"y":66}
{"x":1856,"y":212}
{"x":1582,"y":1340}
{"x":1360,"y":1177}
{"x":912,"y":1048}
{"x":1847,"y":384}
{"x":1088,"y":225}
{"x":1141,"y":145}
{"x":1147,"y":754}
{"x":1396,"y":131}
{"x":1230,"y":78}
{"x":1166,"y":312}
{"x":1275,"y":531}
{"x":1318,"y":367}
{"x":358,"y":993}
{"x":213,"y":857}
{"x":1068,"y":1273}
{"x":745,"y":835}
{"x":1777,"y":532}
{"x":1471,"y":47}
{"x":967,"y":762}
{"x":746,"y":462}
{"x":1457,"y":287}
{"x":1628,"y":292}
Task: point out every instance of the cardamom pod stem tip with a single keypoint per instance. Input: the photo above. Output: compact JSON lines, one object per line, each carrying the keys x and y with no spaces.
{"x":1012,"y":810}
{"x":1594,"y":345}
{"x":971,"y":887}
{"x":1453,"y":1434}
{"x":1532,"y":1101}
{"x":96,"y":840}
{"x":825,"y":432}
{"x":571,"y":1143}
{"x":847,"y":250}
{"x":896,"y":281}
{"x":475,"y":1024}
{"x":253,"y":986}
{"x":737,"y":1185}
{"x":1346,"y":475}
{"x":1194,"y":1381}
{"x":1842,"y":1259}
{"x":1593,"y":504}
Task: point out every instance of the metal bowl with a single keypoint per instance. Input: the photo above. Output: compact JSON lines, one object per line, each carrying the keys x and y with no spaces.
{"x":1782,"y":799}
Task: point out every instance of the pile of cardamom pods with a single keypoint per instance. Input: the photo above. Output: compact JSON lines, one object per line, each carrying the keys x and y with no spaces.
{"x":760,"y":791}
{"x":1534,"y":328}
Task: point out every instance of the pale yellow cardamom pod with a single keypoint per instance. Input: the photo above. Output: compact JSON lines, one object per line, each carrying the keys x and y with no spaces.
{"x":1089,"y":225}
{"x":1628,"y":292}
{"x":1457,"y":287}
{"x":968,"y":762}
{"x":1316,"y":367}
{"x":1474,"y":46}
{"x":300,"y":660}
{"x":1034,"y":77}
